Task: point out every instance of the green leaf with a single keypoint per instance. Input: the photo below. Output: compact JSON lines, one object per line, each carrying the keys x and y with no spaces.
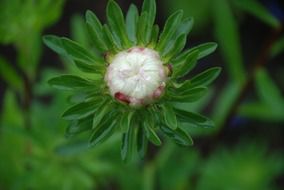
{"x":206,"y":77}
{"x":148,"y":125}
{"x":54,"y":43}
{"x":81,"y":110}
{"x":230,"y":43}
{"x":112,"y":42}
{"x":189,"y":95}
{"x":128,"y":143}
{"x":70,"y":82}
{"x":169,"y":116}
{"x":131,"y":23}
{"x":180,"y":136}
{"x":149,"y":6}
{"x":169,"y":30}
{"x":258,"y":10}
{"x":125,"y":120}
{"x":79,"y":30}
{"x":186,"y":66}
{"x":194,"y":118}
{"x":204,"y":49}
{"x":175,"y":48}
{"x":78,"y":53}
{"x":185,"y":26}
{"x":142,"y":142}
{"x":95,"y":30}
{"x":154,"y":36}
{"x":268,"y":92}
{"x":144,"y":30}
{"x":9,"y":74}
{"x":79,"y":126}
{"x":102,"y":132}
{"x":102,"y":111}
{"x":116,"y":22}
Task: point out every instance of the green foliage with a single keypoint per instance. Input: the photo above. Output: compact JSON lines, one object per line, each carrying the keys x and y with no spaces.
{"x":118,"y":34}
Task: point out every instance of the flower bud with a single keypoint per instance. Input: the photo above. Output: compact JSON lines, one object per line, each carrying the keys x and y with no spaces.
{"x":136,"y":76}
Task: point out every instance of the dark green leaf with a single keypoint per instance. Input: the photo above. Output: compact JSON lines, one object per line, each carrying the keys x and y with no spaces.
{"x":174,"y":48}
{"x":144,"y":30}
{"x":102,"y":111}
{"x":131,"y":23}
{"x":169,"y":116}
{"x":81,"y":110}
{"x":125,"y":121}
{"x":278,"y":47}
{"x":187,"y":65}
{"x":142,"y":142}
{"x":193,"y":118}
{"x":206,"y":77}
{"x":148,"y":125}
{"x":79,"y":30}
{"x":185,"y":26}
{"x":102,"y":132}
{"x":78,"y":53}
{"x":180,"y":136}
{"x":154,"y":36}
{"x":128,"y":144}
{"x":95,"y":30}
{"x":116,"y":22}
{"x":112,"y":42}
{"x":149,"y":6}
{"x":189,"y":95}
{"x":70,"y":82}
{"x":169,"y":30}
{"x":54,"y":43}
{"x":203,"y":50}
{"x":79,"y":126}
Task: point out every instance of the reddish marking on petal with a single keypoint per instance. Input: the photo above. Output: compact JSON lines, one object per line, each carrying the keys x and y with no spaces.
{"x":141,"y":49}
{"x":158,"y":92}
{"x":122,"y":97}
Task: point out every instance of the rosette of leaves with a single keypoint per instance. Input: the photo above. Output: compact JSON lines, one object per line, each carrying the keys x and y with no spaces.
{"x":102,"y":113}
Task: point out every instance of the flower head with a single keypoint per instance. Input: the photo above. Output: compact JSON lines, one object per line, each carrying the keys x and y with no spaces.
{"x":137,"y":78}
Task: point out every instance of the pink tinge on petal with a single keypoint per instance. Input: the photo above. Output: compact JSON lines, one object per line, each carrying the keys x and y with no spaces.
{"x":136,"y":49}
{"x":122,"y":97}
{"x":135,"y":101}
{"x":158,"y":92}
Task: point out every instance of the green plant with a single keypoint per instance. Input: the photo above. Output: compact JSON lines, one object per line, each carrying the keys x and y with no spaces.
{"x":126,"y":51}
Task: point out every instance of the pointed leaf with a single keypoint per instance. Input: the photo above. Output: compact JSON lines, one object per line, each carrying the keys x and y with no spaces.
{"x":70,"y":82}
{"x":95,"y":30}
{"x":206,"y":77}
{"x":187,"y":65}
{"x":193,"y":118}
{"x":154,"y":36}
{"x":189,"y":95}
{"x":128,"y":143}
{"x":144,"y":30}
{"x":103,"y":110}
{"x":169,"y":116}
{"x":169,"y":30}
{"x":185,"y":26}
{"x":79,"y":126}
{"x":180,"y":136}
{"x":116,"y":22}
{"x":142,"y":142}
{"x":81,"y":110}
{"x":148,"y":125}
{"x":125,"y":121}
{"x":149,"y":6}
{"x":175,"y":48}
{"x":112,"y":42}
{"x":102,"y":132}
{"x":131,"y":23}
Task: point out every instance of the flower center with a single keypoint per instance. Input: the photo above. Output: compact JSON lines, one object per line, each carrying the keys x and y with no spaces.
{"x":136,"y":76}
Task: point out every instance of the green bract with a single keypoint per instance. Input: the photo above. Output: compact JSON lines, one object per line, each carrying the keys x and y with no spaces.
{"x":99,"y":113}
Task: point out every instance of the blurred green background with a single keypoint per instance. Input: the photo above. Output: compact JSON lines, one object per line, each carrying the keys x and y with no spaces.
{"x":245,"y":151}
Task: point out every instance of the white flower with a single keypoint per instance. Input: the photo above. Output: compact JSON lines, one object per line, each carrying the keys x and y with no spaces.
{"x":136,"y":76}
